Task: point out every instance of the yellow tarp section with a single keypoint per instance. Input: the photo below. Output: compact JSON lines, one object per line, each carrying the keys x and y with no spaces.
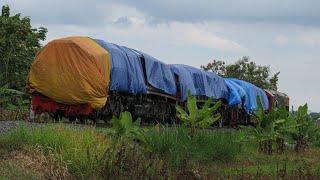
{"x":73,"y":70}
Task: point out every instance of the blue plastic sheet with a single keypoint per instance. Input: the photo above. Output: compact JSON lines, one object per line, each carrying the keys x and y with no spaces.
{"x":252,"y":92}
{"x":159,"y":74}
{"x":199,"y":82}
{"x":236,"y":93}
{"x":126,"y":69}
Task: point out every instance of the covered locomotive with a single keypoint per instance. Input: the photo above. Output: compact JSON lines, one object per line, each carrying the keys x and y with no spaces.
{"x":79,"y":77}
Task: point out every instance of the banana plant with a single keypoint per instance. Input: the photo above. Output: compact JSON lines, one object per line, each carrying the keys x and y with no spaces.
{"x":124,"y":127}
{"x":268,"y":131}
{"x":198,"y":118}
{"x":305,"y":129}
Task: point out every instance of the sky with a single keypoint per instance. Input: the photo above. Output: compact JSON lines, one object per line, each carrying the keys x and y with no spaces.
{"x":282,"y":34}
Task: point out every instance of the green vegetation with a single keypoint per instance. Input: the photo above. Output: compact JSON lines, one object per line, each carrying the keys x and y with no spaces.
{"x":19,"y":42}
{"x":282,"y":145}
{"x":279,"y":129}
{"x":82,"y":152}
{"x":204,"y":117}
{"x":14,"y":105}
{"x":86,"y":152}
{"x":178,"y":146}
{"x":124,"y":127}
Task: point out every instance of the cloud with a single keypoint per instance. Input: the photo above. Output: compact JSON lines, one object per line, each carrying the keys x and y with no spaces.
{"x":176,"y":33}
{"x":123,"y":21}
{"x":96,"y":12}
{"x":311,"y":38}
{"x":287,"y":11}
{"x":61,"y":11}
{"x":281,"y":40}
{"x":128,"y":24}
{"x":199,"y":35}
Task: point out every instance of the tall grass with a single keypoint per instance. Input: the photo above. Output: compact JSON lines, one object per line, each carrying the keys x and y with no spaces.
{"x":179,"y":146}
{"x":81,"y":151}
{"x":89,"y":153}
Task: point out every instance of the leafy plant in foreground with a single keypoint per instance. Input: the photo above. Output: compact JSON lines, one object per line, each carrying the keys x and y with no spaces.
{"x":198,"y":118}
{"x":304,"y":129}
{"x":124,"y":127}
{"x":278,"y":127}
{"x":269,"y":129}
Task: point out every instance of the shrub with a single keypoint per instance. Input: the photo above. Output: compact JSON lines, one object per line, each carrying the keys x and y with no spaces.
{"x":14,"y":105}
{"x":278,"y":127}
{"x":304,"y":130}
{"x":269,"y":131}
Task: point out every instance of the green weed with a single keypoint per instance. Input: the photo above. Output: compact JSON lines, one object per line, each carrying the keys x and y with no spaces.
{"x":204,"y":146}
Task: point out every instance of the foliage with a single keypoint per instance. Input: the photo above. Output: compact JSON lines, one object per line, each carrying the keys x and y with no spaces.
{"x":280,"y":128}
{"x":303,"y":128}
{"x":269,"y":129}
{"x":247,"y":70}
{"x":195,"y":117}
{"x":204,"y":146}
{"x":124,"y":127}
{"x":13,"y":99}
{"x":19,"y":42}
{"x":14,"y":104}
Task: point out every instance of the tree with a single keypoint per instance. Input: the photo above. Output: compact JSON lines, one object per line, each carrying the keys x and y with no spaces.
{"x":246,"y":70}
{"x":19,"y":43}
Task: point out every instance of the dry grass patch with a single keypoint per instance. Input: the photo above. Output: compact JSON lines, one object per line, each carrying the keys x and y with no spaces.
{"x":30,"y":164}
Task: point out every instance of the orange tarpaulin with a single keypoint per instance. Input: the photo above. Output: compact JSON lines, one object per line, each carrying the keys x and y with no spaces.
{"x":73,"y":70}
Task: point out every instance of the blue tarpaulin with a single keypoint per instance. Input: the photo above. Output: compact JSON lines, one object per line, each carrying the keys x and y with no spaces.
{"x":127,"y":73}
{"x":236,"y":93}
{"x":199,"y":82}
{"x":159,"y":74}
{"x":126,"y":69}
{"x":250,"y":99}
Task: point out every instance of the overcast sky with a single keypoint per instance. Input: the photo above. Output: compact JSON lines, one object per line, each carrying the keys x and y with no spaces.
{"x":283,"y":34}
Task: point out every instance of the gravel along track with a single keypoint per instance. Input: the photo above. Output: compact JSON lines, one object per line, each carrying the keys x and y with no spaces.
{"x":7,"y":126}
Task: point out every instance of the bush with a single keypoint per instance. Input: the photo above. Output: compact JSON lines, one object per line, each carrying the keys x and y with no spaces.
{"x":14,"y":105}
{"x":204,"y":146}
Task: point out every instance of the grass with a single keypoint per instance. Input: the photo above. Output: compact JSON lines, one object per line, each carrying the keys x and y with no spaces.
{"x":61,"y":151}
{"x":14,"y":172}
{"x":205,"y":146}
{"x":81,"y":151}
{"x":30,"y":164}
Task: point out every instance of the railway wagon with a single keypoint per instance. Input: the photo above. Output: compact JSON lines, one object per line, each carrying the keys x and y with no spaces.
{"x":81,"y":77}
